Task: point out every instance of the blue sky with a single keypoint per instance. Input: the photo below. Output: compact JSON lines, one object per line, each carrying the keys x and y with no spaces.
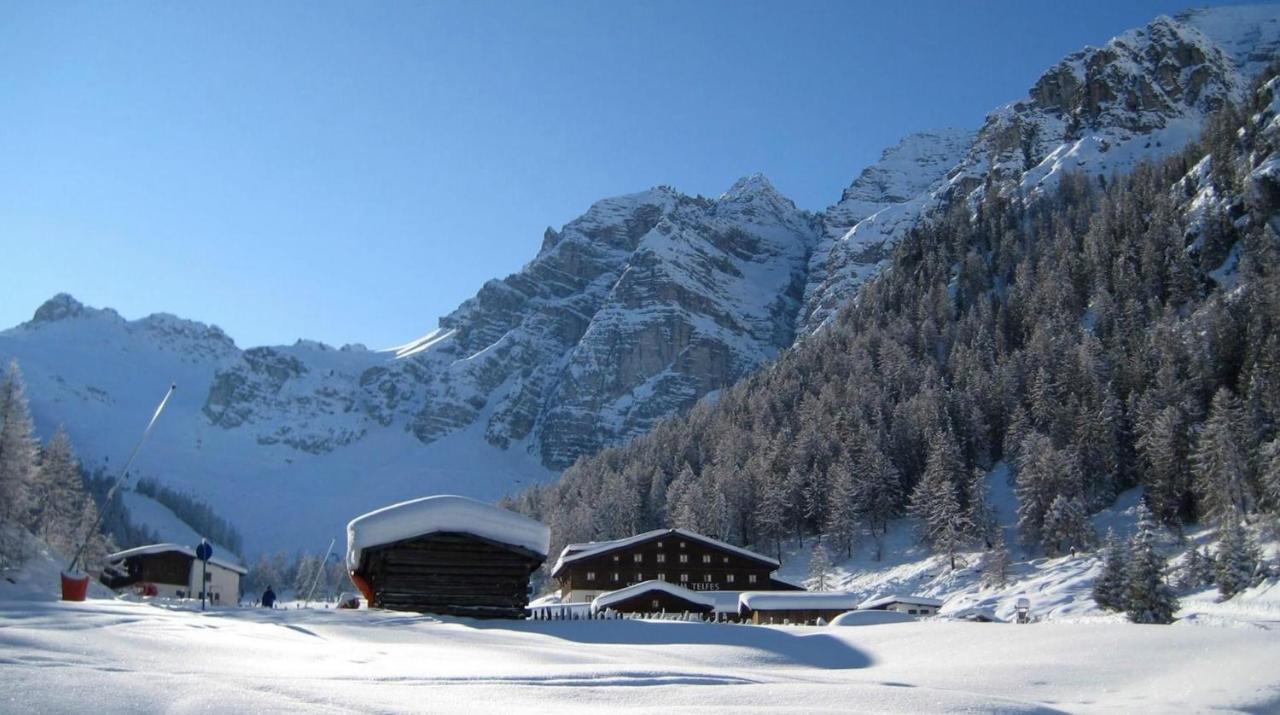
{"x":349,"y":172}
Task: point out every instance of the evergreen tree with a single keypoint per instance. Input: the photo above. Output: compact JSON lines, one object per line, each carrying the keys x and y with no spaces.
{"x":59,"y":501}
{"x":996,"y":562}
{"x":1269,"y":476}
{"x":1066,"y":526}
{"x":19,"y":451}
{"x":1196,"y":572}
{"x":819,"y":569}
{"x":1109,"y":588}
{"x":1147,"y":598}
{"x":943,"y":524}
{"x":979,"y":512}
{"x":1219,"y":463}
{"x":1237,"y":558}
{"x":842,"y":518}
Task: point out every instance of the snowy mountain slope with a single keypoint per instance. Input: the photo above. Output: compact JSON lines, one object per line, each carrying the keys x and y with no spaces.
{"x":102,"y":376}
{"x":1143,"y":95}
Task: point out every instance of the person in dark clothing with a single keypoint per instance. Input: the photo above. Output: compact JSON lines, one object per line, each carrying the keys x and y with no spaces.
{"x":269,"y":598}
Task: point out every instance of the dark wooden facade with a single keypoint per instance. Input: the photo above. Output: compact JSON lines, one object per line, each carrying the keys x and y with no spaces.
{"x":658,"y":601}
{"x":681,"y":558}
{"x":452,"y":574}
{"x":807,"y":616}
{"x":170,"y":567}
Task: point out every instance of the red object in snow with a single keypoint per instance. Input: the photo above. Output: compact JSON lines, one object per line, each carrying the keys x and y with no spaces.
{"x":364,"y":587}
{"x":74,"y":586}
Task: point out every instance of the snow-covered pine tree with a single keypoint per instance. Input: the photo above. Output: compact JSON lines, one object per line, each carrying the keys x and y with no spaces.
{"x":1196,"y":572}
{"x":1109,"y":588}
{"x":996,"y":562}
{"x":877,"y":491}
{"x":1037,"y":485}
{"x":943,"y":524}
{"x":1219,"y":464}
{"x":819,"y":568}
{"x":842,"y":517}
{"x":771,"y":514}
{"x":19,"y":450}
{"x":58,"y":498}
{"x":1269,"y":474}
{"x":1147,"y":598}
{"x":979,"y":512}
{"x":1066,"y":526}
{"x":1237,"y":558}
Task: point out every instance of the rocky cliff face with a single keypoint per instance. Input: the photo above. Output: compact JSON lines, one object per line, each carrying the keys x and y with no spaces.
{"x":635,"y":310}
{"x":1101,"y":110}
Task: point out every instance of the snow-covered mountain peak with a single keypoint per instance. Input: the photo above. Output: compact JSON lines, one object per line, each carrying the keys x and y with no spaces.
{"x":751,"y":187}
{"x":65,"y":307}
{"x":1249,"y":34}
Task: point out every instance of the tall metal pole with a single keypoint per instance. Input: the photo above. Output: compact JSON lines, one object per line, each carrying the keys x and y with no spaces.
{"x":124,"y":473}
{"x":324,"y":563}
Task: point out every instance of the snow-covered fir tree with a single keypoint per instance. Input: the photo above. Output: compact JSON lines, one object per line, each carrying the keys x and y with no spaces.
{"x":1219,"y":462}
{"x":1197,"y":570}
{"x":19,"y":451}
{"x":1236,"y":563}
{"x":1148,"y":599}
{"x":1066,"y":526}
{"x":996,"y":562}
{"x":1109,"y":587}
{"x":819,"y":569}
{"x":935,"y":502}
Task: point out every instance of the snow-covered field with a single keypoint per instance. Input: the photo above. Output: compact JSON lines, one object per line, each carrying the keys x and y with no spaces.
{"x":114,"y":656}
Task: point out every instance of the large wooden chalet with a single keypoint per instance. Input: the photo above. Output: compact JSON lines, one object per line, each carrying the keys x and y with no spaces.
{"x":448,"y":555}
{"x":678,"y":556}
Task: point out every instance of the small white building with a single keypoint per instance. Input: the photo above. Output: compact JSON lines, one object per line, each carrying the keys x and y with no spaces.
{"x":913,"y":605}
{"x":173,"y":571}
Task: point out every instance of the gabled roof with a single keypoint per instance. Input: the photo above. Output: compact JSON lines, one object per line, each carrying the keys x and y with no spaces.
{"x":797,"y":600}
{"x":444,"y":513}
{"x":577,"y":552}
{"x":882,"y":601}
{"x":605,"y":600}
{"x":177,"y":548}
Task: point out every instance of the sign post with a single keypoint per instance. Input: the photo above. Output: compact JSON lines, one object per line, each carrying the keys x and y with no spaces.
{"x":204,"y":552}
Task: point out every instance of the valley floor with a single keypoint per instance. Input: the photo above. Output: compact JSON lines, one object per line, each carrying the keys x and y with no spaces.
{"x":118,"y":656}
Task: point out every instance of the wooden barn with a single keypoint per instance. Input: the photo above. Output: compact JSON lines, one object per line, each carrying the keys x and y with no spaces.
{"x":172,"y":571}
{"x":448,"y":555}
{"x":762,"y":607}
{"x":652,"y":597}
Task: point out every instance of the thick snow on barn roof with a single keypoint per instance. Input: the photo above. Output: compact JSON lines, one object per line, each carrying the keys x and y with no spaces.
{"x":797,"y":600}
{"x":445,"y":513}
{"x":574,"y":552}
{"x":606,"y":600}
{"x":881,"y":601}
{"x":165,"y":548}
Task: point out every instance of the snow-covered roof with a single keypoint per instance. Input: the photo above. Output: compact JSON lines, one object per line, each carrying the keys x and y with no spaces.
{"x":445,"y":513}
{"x":606,"y":600}
{"x":882,"y":601}
{"x":574,"y":552}
{"x":166,"y":548}
{"x":797,"y":600}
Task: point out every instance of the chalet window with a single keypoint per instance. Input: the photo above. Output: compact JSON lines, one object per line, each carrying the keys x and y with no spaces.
{"x":615,"y":557}
{"x":706,"y":558}
{"x":591,"y":575}
{"x":706,"y":578}
{"x":684,"y":558}
{"x":682,"y":544}
{"x":639,"y":576}
{"x":728,"y":578}
{"x":637,"y":557}
{"x":684,"y":578}
{"x":617,"y":576}
{"x":662,"y":558}
{"x":751,"y":578}
{"x":659,"y":544}
{"x":655,"y":604}
{"x":662,"y":576}
{"x":726,"y":559}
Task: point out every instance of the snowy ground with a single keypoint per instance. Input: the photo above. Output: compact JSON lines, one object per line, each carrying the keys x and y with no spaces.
{"x":114,"y":656}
